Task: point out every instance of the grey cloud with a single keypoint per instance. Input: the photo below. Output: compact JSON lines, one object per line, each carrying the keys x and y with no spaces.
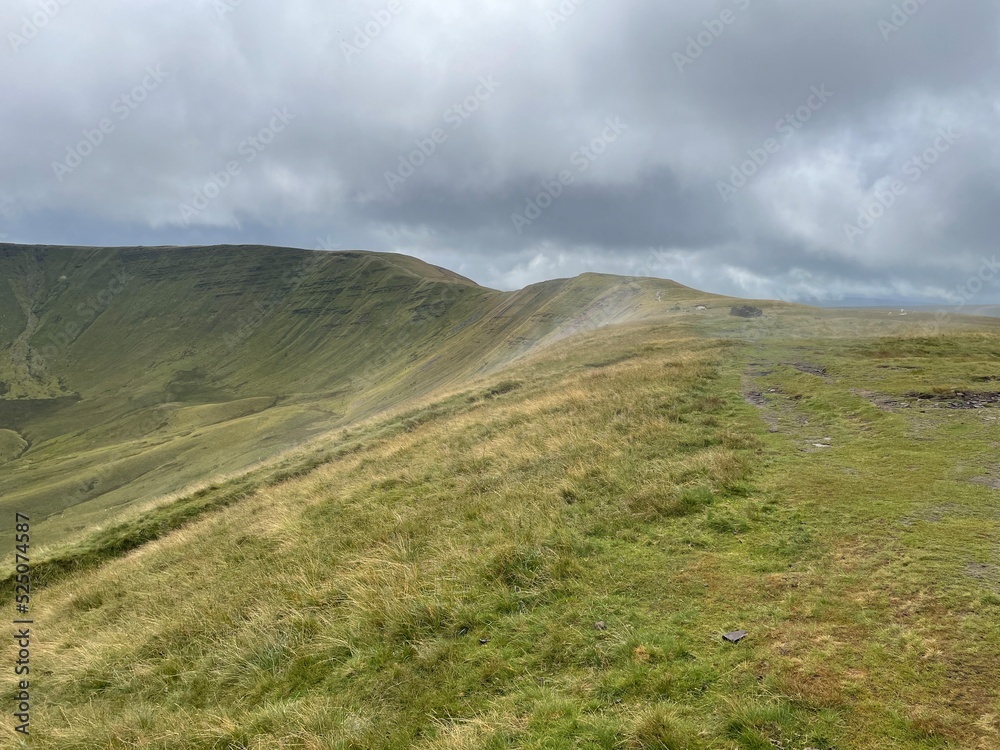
{"x":654,"y":190}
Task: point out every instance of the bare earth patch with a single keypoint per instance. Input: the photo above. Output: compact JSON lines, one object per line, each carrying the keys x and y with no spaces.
{"x":985,"y":573}
{"x":945,"y":511}
{"x":924,"y":400}
{"x":957,"y":399}
{"x":752,"y":395}
{"x":992,"y":482}
{"x":811,"y":369}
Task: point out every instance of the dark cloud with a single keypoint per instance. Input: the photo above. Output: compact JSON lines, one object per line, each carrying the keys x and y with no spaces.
{"x":497,"y":100}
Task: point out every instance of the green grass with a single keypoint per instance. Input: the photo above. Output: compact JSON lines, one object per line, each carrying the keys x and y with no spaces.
{"x":434,"y":578}
{"x":539,"y":539}
{"x":134,"y":373}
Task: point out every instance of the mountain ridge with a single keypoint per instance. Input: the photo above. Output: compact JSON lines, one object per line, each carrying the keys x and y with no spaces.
{"x":125,"y":370}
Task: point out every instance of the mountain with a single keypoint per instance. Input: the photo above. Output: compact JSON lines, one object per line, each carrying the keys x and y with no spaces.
{"x":129,"y":373}
{"x":407,"y":511}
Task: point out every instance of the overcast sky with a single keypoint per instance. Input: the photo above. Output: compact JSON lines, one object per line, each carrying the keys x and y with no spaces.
{"x":765,"y":148}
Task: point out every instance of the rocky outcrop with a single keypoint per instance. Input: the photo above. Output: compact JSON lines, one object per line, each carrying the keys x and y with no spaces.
{"x":746,"y":311}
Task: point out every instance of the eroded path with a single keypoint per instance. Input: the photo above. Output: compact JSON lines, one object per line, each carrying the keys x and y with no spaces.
{"x":888,"y":452}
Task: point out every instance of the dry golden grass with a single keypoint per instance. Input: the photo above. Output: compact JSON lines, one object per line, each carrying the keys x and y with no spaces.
{"x":439,"y":586}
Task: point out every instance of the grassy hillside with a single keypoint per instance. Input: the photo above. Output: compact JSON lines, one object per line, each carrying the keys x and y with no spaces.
{"x":548,"y":555}
{"x":128,"y":374}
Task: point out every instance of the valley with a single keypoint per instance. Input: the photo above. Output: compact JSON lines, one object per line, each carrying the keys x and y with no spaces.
{"x":398,"y":509}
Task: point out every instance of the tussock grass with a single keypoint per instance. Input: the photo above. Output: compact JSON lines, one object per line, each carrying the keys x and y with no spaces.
{"x":553,"y":565}
{"x":129,"y":374}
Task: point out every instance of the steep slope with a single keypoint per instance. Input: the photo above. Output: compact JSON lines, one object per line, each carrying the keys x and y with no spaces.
{"x":548,"y":557}
{"x":129,"y":373}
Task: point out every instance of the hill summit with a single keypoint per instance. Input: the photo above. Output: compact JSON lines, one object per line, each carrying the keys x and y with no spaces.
{"x":292,"y":499}
{"x":129,"y":373}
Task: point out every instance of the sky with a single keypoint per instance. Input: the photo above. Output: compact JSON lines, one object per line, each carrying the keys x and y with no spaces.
{"x":814,"y":151}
